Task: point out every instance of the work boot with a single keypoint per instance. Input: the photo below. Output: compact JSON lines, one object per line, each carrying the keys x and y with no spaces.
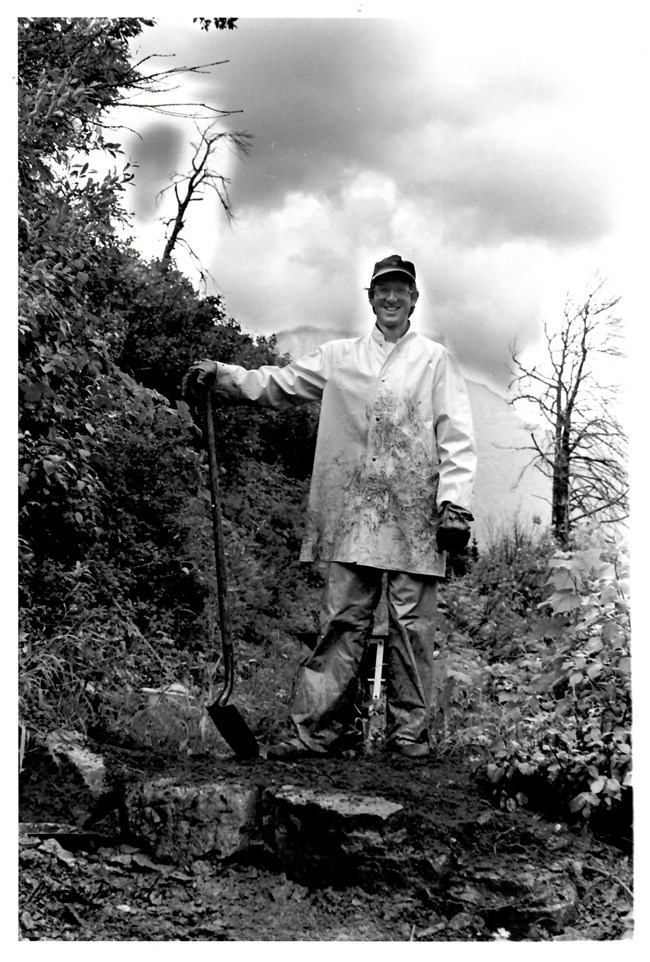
{"x":412,"y":751}
{"x":292,"y":751}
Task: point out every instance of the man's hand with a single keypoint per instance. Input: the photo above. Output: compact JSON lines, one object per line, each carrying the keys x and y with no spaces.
{"x":454,"y":529}
{"x":200,"y":378}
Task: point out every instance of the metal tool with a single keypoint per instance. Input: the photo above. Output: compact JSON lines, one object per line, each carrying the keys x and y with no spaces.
{"x":227,"y":718}
{"x":373,"y":727}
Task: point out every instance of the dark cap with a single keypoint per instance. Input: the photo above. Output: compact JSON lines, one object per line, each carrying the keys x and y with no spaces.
{"x":393,"y":265}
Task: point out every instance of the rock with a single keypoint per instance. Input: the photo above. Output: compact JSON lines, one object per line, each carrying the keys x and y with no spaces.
{"x":320,"y":837}
{"x":185,"y":822}
{"x":315,"y":837}
{"x":72,"y":748}
{"x":64,"y":779}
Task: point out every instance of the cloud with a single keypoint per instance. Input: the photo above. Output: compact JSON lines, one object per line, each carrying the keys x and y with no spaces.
{"x":474,"y":135}
{"x":488,"y":156}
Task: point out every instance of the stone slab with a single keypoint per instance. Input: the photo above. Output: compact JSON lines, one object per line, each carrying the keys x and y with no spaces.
{"x":322,"y":837}
{"x":185,"y":822}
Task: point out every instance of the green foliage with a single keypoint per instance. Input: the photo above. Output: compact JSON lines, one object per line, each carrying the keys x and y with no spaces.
{"x":219,"y":23}
{"x":493,"y":604}
{"x":117,"y":583}
{"x":70,"y":71}
{"x":547,"y":709}
{"x":589,"y":673}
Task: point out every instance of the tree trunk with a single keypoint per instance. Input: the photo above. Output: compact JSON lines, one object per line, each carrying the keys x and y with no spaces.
{"x":560,"y":506}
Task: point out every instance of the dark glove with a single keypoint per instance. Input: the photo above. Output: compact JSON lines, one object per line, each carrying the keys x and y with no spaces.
{"x":454,"y":530}
{"x":201,"y":377}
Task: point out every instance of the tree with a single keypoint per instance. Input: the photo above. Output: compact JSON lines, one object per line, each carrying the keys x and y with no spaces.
{"x":79,"y":407}
{"x":582,"y":445}
{"x":190,"y":188}
{"x":116,"y":554}
{"x":70,"y":72}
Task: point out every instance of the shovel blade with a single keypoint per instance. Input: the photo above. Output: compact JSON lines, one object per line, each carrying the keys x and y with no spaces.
{"x":234,"y":730}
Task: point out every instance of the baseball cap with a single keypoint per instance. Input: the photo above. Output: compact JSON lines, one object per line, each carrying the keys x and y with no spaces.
{"x":393,"y":264}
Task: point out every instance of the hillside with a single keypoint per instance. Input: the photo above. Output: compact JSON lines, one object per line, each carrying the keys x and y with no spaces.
{"x":502,"y":492}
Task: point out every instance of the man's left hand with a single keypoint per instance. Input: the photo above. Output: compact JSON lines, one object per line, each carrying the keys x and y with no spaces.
{"x":454,"y":528}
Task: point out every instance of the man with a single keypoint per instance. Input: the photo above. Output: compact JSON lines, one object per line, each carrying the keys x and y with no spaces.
{"x":391,"y":489}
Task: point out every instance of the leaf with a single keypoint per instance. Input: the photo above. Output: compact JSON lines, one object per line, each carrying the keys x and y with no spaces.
{"x":562,"y":601}
{"x":562,"y":579}
{"x":593,"y":646}
{"x":625,"y":665}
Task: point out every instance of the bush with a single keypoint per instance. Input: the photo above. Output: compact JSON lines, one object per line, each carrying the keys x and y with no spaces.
{"x":493,"y":602}
{"x":546,"y":712}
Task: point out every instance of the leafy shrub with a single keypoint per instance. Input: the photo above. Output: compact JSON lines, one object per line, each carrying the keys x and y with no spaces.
{"x":494,"y":601}
{"x":587,"y":676}
{"x":545,"y":710}
{"x":116,"y":580}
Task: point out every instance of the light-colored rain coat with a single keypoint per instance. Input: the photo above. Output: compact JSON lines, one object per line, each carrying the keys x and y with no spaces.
{"x":394,"y":440}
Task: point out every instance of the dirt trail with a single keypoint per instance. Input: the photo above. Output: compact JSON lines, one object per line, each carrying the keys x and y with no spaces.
{"x":108,"y":887}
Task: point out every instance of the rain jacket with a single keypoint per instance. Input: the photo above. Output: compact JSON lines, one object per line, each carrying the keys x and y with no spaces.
{"x":394,"y":440}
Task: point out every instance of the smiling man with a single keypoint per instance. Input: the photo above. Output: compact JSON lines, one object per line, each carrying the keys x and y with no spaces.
{"x":391,"y":490}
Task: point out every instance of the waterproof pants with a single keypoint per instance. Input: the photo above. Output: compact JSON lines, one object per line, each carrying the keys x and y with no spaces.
{"x":326,"y":681}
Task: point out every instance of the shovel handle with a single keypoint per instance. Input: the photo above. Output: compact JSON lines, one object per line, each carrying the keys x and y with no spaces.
{"x":220,"y":559}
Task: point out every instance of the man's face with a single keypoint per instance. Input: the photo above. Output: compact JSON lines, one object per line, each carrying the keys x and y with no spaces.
{"x":393,"y":300}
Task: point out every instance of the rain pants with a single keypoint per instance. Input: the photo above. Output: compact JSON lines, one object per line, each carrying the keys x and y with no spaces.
{"x":394,"y":441}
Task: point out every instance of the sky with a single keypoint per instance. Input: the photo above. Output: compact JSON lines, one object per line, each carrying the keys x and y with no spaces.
{"x":492,"y":145}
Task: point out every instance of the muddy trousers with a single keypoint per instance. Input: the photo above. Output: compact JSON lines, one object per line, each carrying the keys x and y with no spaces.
{"x":326,"y":681}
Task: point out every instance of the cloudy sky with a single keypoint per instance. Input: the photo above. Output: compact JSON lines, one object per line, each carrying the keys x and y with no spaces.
{"x":488,"y":143}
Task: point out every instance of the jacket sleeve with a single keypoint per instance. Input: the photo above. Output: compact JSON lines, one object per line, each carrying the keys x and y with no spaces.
{"x":277,"y":387}
{"x":454,"y":434}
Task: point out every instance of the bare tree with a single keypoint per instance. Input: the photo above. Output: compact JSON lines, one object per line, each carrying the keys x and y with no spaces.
{"x":582,"y":446}
{"x":190,"y":187}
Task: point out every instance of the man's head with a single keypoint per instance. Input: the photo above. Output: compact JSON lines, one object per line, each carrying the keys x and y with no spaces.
{"x":393,"y":294}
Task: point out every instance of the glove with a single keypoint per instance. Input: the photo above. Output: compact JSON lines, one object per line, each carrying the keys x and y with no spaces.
{"x":454,"y":530}
{"x":201,"y":377}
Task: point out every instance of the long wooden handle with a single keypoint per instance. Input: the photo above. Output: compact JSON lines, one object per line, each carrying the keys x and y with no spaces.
{"x":220,"y":559}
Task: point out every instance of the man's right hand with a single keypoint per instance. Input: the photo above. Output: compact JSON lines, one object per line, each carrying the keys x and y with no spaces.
{"x":201,"y":377}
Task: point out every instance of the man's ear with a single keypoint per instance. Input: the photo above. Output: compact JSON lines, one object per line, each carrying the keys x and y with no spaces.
{"x":415,"y":296}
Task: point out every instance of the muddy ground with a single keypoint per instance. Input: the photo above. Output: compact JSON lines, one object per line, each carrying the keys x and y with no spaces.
{"x":100,"y":884}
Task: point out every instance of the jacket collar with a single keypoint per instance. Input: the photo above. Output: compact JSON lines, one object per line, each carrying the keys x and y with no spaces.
{"x":378,"y":336}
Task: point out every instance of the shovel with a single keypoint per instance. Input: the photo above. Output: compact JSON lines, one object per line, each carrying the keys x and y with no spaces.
{"x":228,"y":720}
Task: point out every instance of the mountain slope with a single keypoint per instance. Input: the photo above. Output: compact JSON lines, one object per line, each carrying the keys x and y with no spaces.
{"x":506,"y":489}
